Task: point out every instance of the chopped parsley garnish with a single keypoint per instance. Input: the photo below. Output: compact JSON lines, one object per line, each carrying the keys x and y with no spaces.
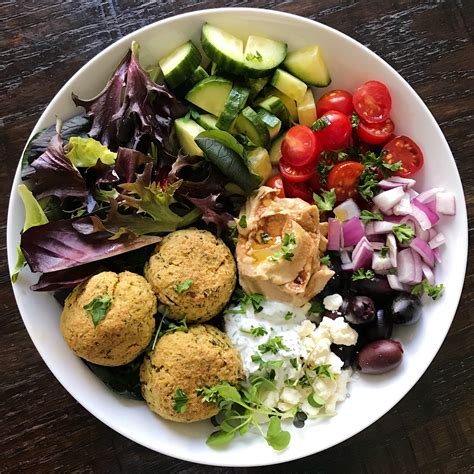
{"x":433,"y":291}
{"x":254,"y":57}
{"x":179,"y":326}
{"x":183,"y":287}
{"x":243,"y":221}
{"x":362,"y":274}
{"x":367,"y":216}
{"x":180,"y":401}
{"x":326,"y":201}
{"x":98,"y":308}
{"x":368,"y":185}
{"x":288,"y":245}
{"x":192,"y":114}
{"x":304,"y":381}
{"x":326,"y":260}
{"x":273,"y":345}
{"x":289,"y":315}
{"x":323,"y":170}
{"x":294,"y":362}
{"x":209,"y":395}
{"x":323,"y":371}
{"x":254,"y":299}
{"x":317,"y":306}
{"x":321,"y":123}
{"x":266,"y":364}
{"x":384,"y":251}
{"x":404,"y":233}
{"x":355,"y":120}
{"x":255,"y":331}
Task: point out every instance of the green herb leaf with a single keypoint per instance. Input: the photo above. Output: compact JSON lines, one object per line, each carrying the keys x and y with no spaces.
{"x":368,"y":185}
{"x":393,"y":166}
{"x":98,"y":308}
{"x":404,"y":233}
{"x":323,"y":169}
{"x":384,"y":251}
{"x":289,"y":315}
{"x":209,"y":395}
{"x":254,"y":57}
{"x":255,"y":331}
{"x":287,"y":248}
{"x":315,"y":401}
{"x":367,"y":216}
{"x":243,"y":221}
{"x":317,"y":306}
{"x":323,"y":371}
{"x":276,"y":437}
{"x":433,"y":291}
{"x":220,"y":438}
{"x":173,"y":327}
{"x":192,"y":114}
{"x":362,"y":274}
{"x":326,"y":201}
{"x":294,"y":362}
{"x":321,"y":123}
{"x":273,"y":345}
{"x":254,"y":299}
{"x":182,"y":287}
{"x":355,"y":120}
{"x":180,"y":401}
{"x":326,"y":260}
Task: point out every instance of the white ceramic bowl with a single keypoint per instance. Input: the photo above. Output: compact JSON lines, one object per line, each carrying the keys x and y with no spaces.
{"x":350,"y":65}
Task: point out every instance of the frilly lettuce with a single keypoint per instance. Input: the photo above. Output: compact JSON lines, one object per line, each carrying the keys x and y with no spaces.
{"x":85,"y":152}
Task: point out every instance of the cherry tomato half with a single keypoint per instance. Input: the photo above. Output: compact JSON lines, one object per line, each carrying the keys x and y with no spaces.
{"x":404,"y":149}
{"x":296,"y":174}
{"x":344,"y":178}
{"x":335,"y":100}
{"x":372,"y":102}
{"x":298,"y":190}
{"x":338,"y":133}
{"x":276,"y":182}
{"x":315,"y":182}
{"x":300,"y":146}
{"x":375,"y":133}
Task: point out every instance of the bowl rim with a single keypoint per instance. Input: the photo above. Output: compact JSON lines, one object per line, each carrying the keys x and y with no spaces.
{"x":290,"y":455}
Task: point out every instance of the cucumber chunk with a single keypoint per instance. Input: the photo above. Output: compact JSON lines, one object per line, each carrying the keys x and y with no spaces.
{"x":272,"y":122}
{"x":256,"y":85}
{"x":198,"y":75}
{"x":308,"y":65}
{"x":289,"y":84}
{"x":180,"y":64}
{"x":186,"y":131}
{"x":210,"y":94}
{"x":224,"y":49}
{"x":262,"y":55}
{"x":307,"y":109}
{"x":207,"y":121}
{"x":275,"y":150}
{"x":275,"y":106}
{"x":259,"y":163}
{"x":235,"y":103}
{"x":289,"y":103}
{"x":251,"y":125}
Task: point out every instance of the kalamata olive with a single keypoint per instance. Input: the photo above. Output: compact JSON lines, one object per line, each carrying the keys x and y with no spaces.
{"x":337,"y":283}
{"x":346,"y":353}
{"x":358,"y":309}
{"x":379,"y":357}
{"x":405,"y":309}
{"x":376,"y":287}
{"x":380,"y":328}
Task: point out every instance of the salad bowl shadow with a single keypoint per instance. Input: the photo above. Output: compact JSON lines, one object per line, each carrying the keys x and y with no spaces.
{"x":371,"y":396}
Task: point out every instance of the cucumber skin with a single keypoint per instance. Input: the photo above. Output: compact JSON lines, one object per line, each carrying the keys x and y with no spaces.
{"x":180,"y":74}
{"x":275,"y":106}
{"x":190,"y":96}
{"x":236,"y":101}
{"x":249,"y":116}
{"x":198,"y":75}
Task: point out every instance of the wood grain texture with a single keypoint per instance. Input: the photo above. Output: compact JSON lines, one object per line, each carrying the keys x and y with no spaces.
{"x":42,"y":43}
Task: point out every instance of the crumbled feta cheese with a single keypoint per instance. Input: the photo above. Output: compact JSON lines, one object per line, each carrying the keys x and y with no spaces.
{"x":341,"y":332}
{"x":332,"y":302}
{"x":290,"y":395}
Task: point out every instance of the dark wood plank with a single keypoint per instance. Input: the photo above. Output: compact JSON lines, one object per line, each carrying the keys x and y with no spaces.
{"x":43,"y":42}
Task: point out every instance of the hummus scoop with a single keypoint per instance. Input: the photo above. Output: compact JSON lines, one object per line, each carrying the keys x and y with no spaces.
{"x":279,"y":247}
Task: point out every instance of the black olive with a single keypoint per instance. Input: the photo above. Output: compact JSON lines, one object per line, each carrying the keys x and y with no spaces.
{"x":380,"y":328}
{"x":358,"y":309}
{"x":405,"y":309}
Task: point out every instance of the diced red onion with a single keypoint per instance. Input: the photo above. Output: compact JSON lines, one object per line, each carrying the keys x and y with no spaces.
{"x":385,"y":184}
{"x":387,"y":199}
{"x":423,"y":214}
{"x":428,"y":274}
{"x":412,"y":193}
{"x":392,"y":249}
{"x":429,"y":195}
{"x":348,"y":249}
{"x":379,"y":227}
{"x":395,"y":219}
{"x":347,"y":266}
{"x":381,"y":264}
{"x":362,"y":254}
{"x":406,"y":267}
{"x":403,"y":208}
{"x":377,"y":245}
{"x":432,"y":233}
{"x":446,"y":204}
{"x":334,"y":234}
{"x":424,"y":250}
{"x":396,"y":181}
{"x":437,"y":254}
{"x":438,"y":240}
{"x":418,"y":272}
{"x":388,"y":212}
{"x":352,"y":231}
{"x":348,"y":209}
{"x":345,"y":257}
{"x":395,"y":284}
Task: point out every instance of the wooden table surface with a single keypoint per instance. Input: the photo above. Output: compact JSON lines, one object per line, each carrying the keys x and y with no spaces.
{"x":42,"y":428}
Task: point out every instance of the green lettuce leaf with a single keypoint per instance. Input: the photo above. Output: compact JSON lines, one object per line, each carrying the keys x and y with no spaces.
{"x":85,"y":152}
{"x":34,"y":216}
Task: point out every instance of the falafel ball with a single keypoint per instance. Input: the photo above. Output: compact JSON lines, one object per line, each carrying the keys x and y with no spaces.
{"x":125,"y":302}
{"x":183,"y":362}
{"x":193,"y":273}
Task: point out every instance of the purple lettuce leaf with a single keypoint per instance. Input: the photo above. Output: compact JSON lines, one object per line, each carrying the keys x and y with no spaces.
{"x":54,"y":174}
{"x":58,"y":245}
{"x":128,"y":163}
{"x":213,"y":212}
